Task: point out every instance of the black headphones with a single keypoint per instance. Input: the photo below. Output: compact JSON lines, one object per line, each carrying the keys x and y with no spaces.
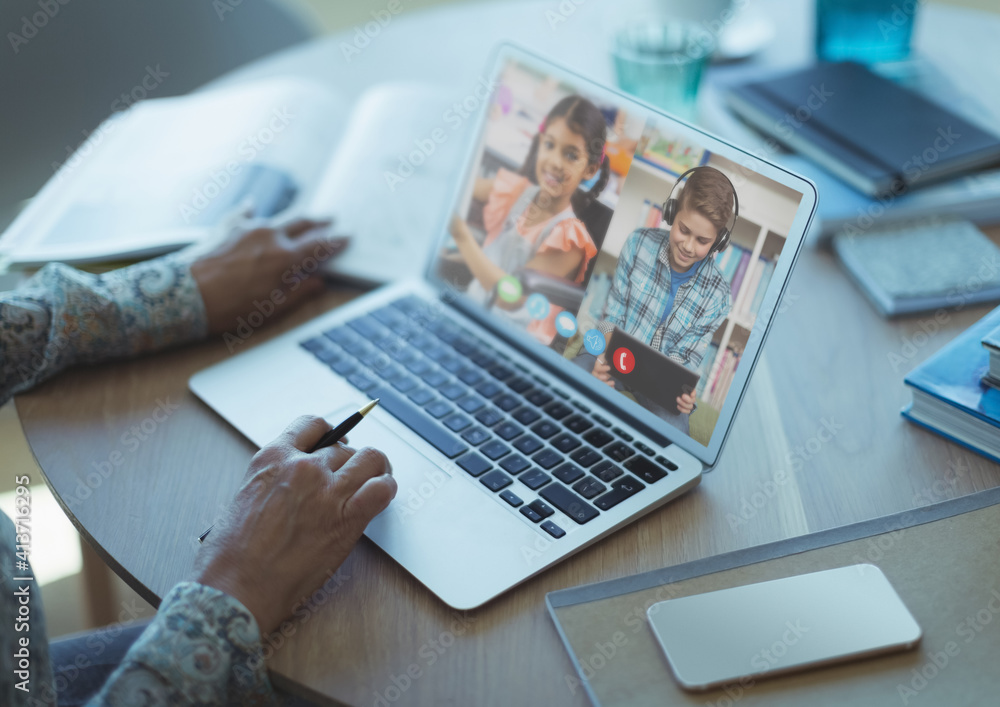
{"x":725,"y":234}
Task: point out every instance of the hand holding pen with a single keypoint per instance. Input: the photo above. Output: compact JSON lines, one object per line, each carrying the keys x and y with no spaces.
{"x":328,"y":439}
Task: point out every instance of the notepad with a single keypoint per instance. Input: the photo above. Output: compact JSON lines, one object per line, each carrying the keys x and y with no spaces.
{"x":919,"y":266}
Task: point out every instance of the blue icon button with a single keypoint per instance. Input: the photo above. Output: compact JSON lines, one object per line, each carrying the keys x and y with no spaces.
{"x":538,"y":306}
{"x":565,"y":324}
{"x":594,"y":342}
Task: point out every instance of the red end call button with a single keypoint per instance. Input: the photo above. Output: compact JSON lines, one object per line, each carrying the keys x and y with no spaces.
{"x":623,"y":360}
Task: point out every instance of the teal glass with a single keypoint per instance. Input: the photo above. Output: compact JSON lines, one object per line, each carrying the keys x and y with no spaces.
{"x":866,"y":31}
{"x":662,"y":63}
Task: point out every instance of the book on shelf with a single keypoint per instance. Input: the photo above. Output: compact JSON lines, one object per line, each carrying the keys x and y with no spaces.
{"x":725,"y":377}
{"x":949,"y":396}
{"x":705,"y":369}
{"x":650,"y":214}
{"x":752,"y":282}
{"x":654,"y":216}
{"x":765,"y":280}
{"x":715,"y":383}
{"x":170,"y":172}
{"x":741,"y":270}
{"x":729,"y":261}
{"x":716,"y":374}
{"x":923,"y":265}
{"x":723,"y":258}
{"x":736,"y":266}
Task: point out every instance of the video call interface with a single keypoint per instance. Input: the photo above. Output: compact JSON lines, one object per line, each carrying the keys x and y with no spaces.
{"x":615,"y":240}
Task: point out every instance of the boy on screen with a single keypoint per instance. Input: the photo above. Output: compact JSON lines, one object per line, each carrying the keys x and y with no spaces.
{"x":667,"y":290}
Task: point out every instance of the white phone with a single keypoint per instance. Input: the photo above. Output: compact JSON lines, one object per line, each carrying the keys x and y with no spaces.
{"x":742,"y":633}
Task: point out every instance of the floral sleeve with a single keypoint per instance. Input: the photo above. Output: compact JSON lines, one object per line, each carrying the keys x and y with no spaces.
{"x":203,"y":648}
{"x":63,"y":316}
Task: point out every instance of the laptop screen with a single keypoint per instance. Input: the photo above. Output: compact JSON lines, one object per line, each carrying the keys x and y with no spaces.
{"x":643,"y":253}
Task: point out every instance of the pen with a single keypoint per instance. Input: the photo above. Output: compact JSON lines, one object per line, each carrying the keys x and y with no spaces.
{"x":344,"y":427}
{"x":327,"y":440}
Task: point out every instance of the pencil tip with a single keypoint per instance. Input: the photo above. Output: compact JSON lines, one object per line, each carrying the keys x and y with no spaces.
{"x":368,"y":408}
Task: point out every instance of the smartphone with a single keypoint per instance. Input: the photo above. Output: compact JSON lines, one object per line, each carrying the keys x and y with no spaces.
{"x":757,"y":630}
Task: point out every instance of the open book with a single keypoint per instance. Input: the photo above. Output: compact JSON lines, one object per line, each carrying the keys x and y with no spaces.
{"x":169,"y":172}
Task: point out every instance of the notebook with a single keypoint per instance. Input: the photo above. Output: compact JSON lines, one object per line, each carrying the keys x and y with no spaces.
{"x":922,"y":265}
{"x":872,"y":133}
{"x":170,"y":172}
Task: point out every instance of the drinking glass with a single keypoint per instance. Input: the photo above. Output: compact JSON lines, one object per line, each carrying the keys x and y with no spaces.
{"x":661,"y":62}
{"x":867,"y":31}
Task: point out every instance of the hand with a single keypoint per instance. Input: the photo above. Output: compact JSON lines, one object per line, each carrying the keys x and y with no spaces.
{"x":273,"y":267}
{"x":685,"y":403}
{"x":294,"y":521}
{"x":602,"y":371}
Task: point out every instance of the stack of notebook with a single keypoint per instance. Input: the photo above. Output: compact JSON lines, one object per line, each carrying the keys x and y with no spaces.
{"x":954,"y":391}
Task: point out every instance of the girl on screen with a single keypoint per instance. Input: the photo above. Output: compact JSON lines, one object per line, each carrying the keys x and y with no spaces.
{"x":531,"y":217}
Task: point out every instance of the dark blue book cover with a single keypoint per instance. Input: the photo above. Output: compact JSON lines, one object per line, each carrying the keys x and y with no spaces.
{"x":868,"y":131}
{"x":953,"y":375}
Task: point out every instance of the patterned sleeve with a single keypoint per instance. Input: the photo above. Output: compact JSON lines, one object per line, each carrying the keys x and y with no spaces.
{"x":25,"y":663}
{"x":63,"y":316}
{"x":615,"y":307}
{"x":203,"y":648}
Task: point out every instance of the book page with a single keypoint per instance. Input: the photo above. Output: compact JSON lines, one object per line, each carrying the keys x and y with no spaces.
{"x":392,"y":179}
{"x":168,"y":171}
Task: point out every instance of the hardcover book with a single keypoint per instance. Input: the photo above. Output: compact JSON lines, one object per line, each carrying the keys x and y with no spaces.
{"x":949,"y":397}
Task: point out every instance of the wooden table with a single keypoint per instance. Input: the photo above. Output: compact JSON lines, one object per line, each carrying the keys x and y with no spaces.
{"x":818,"y":443}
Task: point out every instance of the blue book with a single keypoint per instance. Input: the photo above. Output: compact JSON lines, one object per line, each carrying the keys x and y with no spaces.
{"x":949,"y":396}
{"x":765,"y":280}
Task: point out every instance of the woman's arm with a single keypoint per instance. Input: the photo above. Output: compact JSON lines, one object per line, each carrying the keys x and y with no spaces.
{"x":206,"y":645}
{"x":203,"y":648}
{"x":63,"y":316}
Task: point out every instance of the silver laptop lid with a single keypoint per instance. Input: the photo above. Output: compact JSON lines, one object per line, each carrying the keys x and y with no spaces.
{"x":578,"y":209}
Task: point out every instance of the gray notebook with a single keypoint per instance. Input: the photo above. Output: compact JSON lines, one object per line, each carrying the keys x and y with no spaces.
{"x":918,"y":266}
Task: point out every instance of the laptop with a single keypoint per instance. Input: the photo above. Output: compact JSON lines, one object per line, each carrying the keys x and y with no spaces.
{"x":509,"y":455}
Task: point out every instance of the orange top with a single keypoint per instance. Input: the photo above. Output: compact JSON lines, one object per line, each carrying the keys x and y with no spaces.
{"x":567,"y":234}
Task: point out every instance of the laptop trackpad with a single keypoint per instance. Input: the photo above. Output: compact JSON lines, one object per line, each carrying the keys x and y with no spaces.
{"x":413,"y":471}
{"x":450,"y":535}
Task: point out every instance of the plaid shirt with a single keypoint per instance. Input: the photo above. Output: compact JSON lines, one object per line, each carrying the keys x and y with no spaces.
{"x":641,"y":287}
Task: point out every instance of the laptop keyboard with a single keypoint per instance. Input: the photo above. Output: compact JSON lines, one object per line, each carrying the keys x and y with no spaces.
{"x":521,"y":438}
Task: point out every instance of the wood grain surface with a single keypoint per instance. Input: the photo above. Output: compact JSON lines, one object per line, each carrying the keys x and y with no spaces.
{"x":819,"y":442}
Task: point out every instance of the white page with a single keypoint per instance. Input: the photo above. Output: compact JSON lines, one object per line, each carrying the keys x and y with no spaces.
{"x":153,"y":179}
{"x":394,"y":219}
